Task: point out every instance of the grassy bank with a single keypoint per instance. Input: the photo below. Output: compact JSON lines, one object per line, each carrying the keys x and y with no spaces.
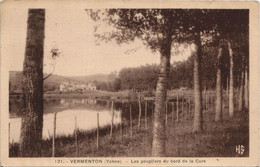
{"x":217,"y":140}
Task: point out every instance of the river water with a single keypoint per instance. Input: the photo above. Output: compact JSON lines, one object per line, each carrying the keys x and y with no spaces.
{"x":71,"y":111}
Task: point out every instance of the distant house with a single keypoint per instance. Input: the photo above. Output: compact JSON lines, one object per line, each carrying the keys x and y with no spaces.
{"x":91,"y":86}
{"x":65,"y":87}
{"x":70,"y":87}
{"x":183,"y":88}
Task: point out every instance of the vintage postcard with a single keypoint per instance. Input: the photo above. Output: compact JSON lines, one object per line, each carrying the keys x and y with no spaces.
{"x":129,"y":83}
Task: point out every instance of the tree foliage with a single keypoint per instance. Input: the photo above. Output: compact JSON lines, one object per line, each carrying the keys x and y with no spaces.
{"x":139,"y":78}
{"x":149,"y":25}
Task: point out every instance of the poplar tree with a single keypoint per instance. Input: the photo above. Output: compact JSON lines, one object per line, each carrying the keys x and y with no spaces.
{"x":32,"y":86}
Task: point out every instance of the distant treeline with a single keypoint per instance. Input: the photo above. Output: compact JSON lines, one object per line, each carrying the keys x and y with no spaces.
{"x":181,"y":74}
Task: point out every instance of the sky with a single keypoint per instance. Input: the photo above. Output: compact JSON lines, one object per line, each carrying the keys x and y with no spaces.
{"x":71,"y":31}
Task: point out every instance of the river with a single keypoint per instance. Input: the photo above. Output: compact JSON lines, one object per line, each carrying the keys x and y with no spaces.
{"x":71,"y":110}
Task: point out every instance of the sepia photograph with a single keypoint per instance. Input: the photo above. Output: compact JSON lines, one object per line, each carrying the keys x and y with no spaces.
{"x":123,"y":85}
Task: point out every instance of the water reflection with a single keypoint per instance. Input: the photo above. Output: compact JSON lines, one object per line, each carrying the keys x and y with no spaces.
{"x":67,"y":109}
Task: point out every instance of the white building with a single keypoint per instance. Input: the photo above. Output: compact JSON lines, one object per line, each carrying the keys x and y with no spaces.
{"x":91,"y":86}
{"x":69,"y":87}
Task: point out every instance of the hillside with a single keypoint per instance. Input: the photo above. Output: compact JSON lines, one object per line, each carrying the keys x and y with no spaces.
{"x":53,"y":81}
{"x":88,"y":78}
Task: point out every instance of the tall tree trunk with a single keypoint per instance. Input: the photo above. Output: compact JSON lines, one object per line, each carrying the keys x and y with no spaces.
{"x":227,"y":92}
{"x":231,"y":82}
{"x":218,"y":114}
{"x":198,"y":115}
{"x":32,"y":83}
{"x":241,"y":88}
{"x":158,"y":145}
{"x":246,"y":89}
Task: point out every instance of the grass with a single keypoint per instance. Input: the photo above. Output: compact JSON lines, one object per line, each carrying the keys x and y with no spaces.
{"x":219,"y":139}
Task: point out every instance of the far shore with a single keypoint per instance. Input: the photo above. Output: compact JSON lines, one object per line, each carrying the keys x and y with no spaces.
{"x":89,"y":94}
{"x":119,"y":95}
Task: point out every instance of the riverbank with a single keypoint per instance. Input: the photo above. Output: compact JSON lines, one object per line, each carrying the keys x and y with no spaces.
{"x":88,"y":94}
{"x":219,"y":139}
{"x":120,"y":95}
